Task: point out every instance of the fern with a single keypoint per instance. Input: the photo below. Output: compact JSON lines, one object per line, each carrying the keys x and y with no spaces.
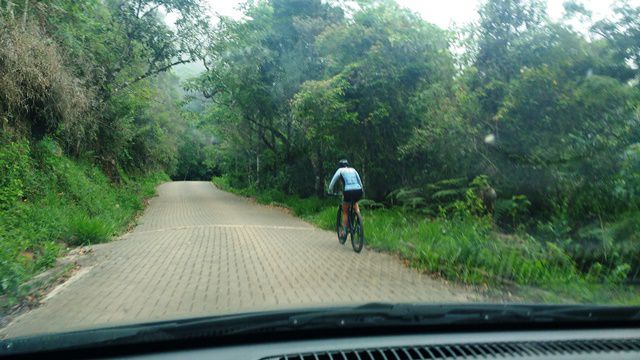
{"x":447,"y":183}
{"x":370,"y":204}
{"x":407,"y":198}
{"x":448,"y":193}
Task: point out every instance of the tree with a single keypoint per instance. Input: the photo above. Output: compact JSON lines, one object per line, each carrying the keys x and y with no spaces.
{"x":385,"y":56}
{"x":504,"y":24}
{"x":623,"y":33}
{"x":322,"y":115}
{"x":573,"y":141}
{"x":94,"y":75}
{"x":254,"y":68}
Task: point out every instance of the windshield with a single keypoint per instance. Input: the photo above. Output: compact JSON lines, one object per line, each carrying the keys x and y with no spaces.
{"x":165,"y":160}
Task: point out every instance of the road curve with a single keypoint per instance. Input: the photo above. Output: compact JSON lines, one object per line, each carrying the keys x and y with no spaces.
{"x":200,"y":251}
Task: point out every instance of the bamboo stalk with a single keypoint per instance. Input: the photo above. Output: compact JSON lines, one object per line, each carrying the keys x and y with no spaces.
{"x":24,"y":13}
{"x":10,"y":6}
{"x":10,"y":9}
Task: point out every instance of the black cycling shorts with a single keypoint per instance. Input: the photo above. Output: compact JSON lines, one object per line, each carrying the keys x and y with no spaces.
{"x":352,"y":195}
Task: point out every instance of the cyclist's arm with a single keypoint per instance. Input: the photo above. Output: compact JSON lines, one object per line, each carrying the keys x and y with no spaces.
{"x":334,"y":180}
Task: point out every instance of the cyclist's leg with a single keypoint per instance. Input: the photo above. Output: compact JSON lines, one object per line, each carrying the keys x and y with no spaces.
{"x":345,"y":213}
{"x":356,"y":207}
{"x":347,"y":200}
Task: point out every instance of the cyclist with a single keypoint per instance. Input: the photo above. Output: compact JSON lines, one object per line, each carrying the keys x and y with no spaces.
{"x":352,"y":190}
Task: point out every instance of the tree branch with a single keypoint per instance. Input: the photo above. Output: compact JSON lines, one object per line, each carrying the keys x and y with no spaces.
{"x":211,"y":94}
{"x":273,"y":130}
{"x":148,"y":11}
{"x":139,"y":8}
{"x":267,"y":143}
{"x":255,"y":127}
{"x":151,"y":73}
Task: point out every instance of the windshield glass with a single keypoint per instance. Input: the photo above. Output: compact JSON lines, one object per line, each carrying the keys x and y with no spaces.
{"x":165,"y":159}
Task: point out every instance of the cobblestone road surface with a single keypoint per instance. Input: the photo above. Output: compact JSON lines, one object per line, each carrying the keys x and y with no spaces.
{"x":199,"y":251}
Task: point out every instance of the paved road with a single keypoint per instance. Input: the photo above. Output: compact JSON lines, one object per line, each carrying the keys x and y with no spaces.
{"x":200,"y":251}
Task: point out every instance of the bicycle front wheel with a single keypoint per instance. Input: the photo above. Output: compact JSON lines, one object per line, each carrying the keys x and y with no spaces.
{"x":357,"y":234}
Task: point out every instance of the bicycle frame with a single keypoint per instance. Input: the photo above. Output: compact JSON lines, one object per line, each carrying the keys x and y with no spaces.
{"x":353,"y":226}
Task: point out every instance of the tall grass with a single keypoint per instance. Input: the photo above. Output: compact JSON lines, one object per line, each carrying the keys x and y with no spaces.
{"x":49,"y":202}
{"x":465,"y":249}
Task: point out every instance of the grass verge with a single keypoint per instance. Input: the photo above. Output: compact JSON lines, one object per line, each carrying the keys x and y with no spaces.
{"x":464,"y":249}
{"x":49,"y":202}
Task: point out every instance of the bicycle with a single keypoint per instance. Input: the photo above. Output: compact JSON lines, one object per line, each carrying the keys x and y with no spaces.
{"x":354,"y":225}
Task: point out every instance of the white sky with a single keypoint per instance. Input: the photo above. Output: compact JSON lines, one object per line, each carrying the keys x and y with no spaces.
{"x":444,"y":13}
{"x":448,"y":12}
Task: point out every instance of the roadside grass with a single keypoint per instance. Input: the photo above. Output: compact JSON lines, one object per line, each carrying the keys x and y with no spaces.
{"x":49,"y":202}
{"x":86,"y":230}
{"x":464,"y":249}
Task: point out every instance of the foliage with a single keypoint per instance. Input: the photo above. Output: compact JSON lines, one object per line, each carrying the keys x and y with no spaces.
{"x":464,"y":248}
{"x":534,"y":128}
{"x":623,"y":33}
{"x":517,"y":208}
{"x":38,"y":94}
{"x":407,"y":198}
{"x":89,"y":120}
{"x":196,"y":150}
{"x":85,"y":230}
{"x":94,"y":75}
{"x":14,"y":165}
{"x":61,"y":202}
{"x":326,"y":87}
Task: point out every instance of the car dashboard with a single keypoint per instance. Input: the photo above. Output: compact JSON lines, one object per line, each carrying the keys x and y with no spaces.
{"x":550,"y":344}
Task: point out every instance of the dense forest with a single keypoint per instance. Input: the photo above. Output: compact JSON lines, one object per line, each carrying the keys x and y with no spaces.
{"x":91,"y":120}
{"x":436,"y":120}
{"x":533,"y":109}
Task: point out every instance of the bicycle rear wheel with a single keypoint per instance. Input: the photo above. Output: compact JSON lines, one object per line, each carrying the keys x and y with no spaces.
{"x":342,"y":240}
{"x":357,"y":233}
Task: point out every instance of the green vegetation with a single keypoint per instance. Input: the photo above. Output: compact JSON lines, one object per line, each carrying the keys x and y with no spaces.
{"x":464,"y":248}
{"x":89,"y":121}
{"x":513,"y":159}
{"x":50,"y":201}
{"x":515,"y":139}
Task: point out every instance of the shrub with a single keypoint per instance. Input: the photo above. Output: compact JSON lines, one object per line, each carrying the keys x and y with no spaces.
{"x":464,"y":247}
{"x":37,"y":93}
{"x":15,"y":165}
{"x":85,"y":230}
{"x":12,"y":271}
{"x":57,"y":199}
{"x":460,"y":246}
{"x":48,"y":255}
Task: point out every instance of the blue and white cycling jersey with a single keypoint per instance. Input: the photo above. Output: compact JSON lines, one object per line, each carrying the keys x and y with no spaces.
{"x":350,"y":178}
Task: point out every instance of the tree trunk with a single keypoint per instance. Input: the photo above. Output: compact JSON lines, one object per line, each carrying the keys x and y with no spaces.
{"x":318,"y":171}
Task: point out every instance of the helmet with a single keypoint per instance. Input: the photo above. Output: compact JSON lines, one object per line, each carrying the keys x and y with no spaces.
{"x":343,"y":163}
